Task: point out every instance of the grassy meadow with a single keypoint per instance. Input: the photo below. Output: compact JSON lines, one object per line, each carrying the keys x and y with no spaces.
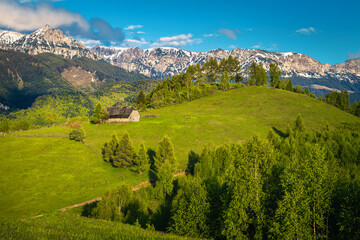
{"x":41,"y":170}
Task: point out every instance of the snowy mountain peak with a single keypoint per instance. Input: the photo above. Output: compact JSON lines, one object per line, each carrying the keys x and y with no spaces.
{"x":46,"y":39}
{"x":8,"y":37}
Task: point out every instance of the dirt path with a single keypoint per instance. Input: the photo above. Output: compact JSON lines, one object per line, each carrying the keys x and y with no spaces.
{"x":134,"y":188}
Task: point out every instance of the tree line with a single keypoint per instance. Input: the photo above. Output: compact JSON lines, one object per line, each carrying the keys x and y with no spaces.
{"x":214,"y":76}
{"x":299,"y":184}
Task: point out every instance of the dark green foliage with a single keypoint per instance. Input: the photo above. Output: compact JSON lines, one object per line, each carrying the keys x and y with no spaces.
{"x":25,"y":77}
{"x":232,"y":66}
{"x":120,"y":153}
{"x":191,"y":209}
{"x":125,"y":152}
{"x":165,"y":152}
{"x":141,"y":161}
{"x":121,"y":205}
{"x":224,"y":81}
{"x":306,"y":91}
{"x":339,"y":99}
{"x":77,"y":134}
{"x":211,"y":70}
{"x":258,"y":74}
{"x":298,"y":89}
{"x":164,"y":183}
{"x":192,"y":84}
{"x":289,"y":86}
{"x":99,"y":115}
{"x":4,"y":125}
{"x":299,"y":124}
{"x":275,"y":74}
{"x":141,"y":101}
{"x":113,"y":204}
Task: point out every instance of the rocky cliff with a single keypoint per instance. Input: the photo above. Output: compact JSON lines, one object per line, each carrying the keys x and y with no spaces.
{"x":44,"y":40}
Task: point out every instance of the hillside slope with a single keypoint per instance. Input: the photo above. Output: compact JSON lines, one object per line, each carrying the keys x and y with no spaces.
{"x":70,"y":226}
{"x":24,"y":77}
{"x":44,"y":171}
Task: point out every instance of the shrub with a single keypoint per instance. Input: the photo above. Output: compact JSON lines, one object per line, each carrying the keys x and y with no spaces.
{"x":77,"y":134}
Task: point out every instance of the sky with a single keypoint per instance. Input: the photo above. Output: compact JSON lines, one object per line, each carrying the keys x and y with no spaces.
{"x":328,"y":31}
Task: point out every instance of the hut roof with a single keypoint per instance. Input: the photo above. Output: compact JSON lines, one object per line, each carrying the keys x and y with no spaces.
{"x":120,"y":112}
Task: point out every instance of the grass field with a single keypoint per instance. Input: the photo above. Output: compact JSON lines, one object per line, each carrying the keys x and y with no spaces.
{"x":71,"y":226}
{"x":42,"y":171}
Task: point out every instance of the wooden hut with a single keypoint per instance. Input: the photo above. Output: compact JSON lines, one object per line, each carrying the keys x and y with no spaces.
{"x":122,"y":114}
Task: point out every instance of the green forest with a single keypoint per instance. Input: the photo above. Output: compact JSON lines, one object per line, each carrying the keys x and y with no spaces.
{"x":298,"y":184}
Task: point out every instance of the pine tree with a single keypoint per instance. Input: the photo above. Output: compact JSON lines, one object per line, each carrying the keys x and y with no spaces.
{"x":299,"y":124}
{"x":303,"y":210}
{"x":99,"y":114}
{"x":164,"y":183}
{"x":306,"y":91}
{"x":289,"y":86}
{"x":125,"y":152}
{"x":275,"y":74}
{"x":141,"y":161}
{"x":113,"y":204}
{"x":95,"y":117}
{"x":191,"y":209}
{"x":211,"y":69}
{"x":252,"y":74}
{"x":165,"y":153}
{"x":141,"y":100}
{"x":224,"y":81}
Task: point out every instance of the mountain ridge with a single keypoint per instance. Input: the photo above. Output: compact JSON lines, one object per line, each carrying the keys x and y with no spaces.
{"x":302,"y":69}
{"x":45,"y":40}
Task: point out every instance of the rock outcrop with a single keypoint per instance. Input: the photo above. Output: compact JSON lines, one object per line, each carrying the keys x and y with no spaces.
{"x":45,"y":40}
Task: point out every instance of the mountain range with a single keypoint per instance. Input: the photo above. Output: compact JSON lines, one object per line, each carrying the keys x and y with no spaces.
{"x":301,"y":69}
{"x":163,"y":62}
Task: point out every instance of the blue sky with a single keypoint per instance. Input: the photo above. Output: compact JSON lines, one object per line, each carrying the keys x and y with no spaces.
{"x":328,"y":31}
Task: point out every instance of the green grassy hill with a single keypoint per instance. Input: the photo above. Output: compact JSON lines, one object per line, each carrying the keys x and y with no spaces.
{"x":70,"y":226}
{"x":23,"y":77}
{"x":41,"y":170}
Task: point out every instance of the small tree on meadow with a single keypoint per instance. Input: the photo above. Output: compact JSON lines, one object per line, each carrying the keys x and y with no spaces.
{"x":289,"y":86}
{"x":99,"y":115}
{"x":224,"y":81}
{"x":299,"y":124}
{"x":141,"y":161}
{"x":141,"y":100}
{"x":77,"y":134}
{"x":165,"y":152}
{"x":125,"y":152}
{"x":275,"y":74}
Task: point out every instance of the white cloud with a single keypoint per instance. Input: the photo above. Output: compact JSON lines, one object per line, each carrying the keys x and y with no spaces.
{"x":132,"y":27}
{"x":27,"y":17}
{"x":176,"y":41}
{"x":273,"y":47}
{"x":209,"y":35}
{"x":232,"y":46}
{"x":257,"y":45}
{"x":90,"y":42}
{"x":306,"y":31}
{"x":229,"y":33}
{"x":134,"y":42}
{"x":176,"y":38}
{"x":140,"y":32}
